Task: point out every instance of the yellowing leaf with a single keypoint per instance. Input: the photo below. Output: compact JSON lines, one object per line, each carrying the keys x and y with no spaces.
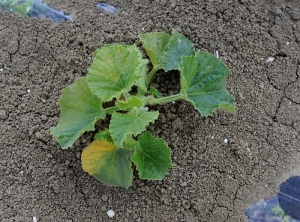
{"x":107,"y":163}
{"x":92,"y":153}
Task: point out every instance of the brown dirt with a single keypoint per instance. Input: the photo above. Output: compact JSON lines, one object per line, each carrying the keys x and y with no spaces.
{"x":210,"y":180}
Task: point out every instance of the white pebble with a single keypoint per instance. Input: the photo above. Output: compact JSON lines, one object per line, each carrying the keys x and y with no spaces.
{"x":28,"y":90}
{"x":270,"y":59}
{"x":110,"y":213}
{"x":173,"y":102}
{"x":1,"y":70}
{"x":287,"y":43}
{"x":34,"y":219}
{"x":142,"y":29}
{"x":225,"y":141}
{"x":212,"y":137}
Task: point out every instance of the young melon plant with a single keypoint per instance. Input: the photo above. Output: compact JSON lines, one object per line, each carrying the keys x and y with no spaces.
{"x":115,"y":70}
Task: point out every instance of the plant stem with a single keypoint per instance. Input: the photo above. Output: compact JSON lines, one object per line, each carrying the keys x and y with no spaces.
{"x":164,"y":100}
{"x":126,"y":95}
{"x":151,"y":75}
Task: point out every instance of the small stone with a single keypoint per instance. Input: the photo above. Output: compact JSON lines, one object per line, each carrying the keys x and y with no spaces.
{"x":78,"y":155}
{"x":103,"y":208}
{"x":110,"y":213}
{"x":104,"y":198}
{"x":44,"y":117}
{"x":225,"y":141}
{"x":38,"y":135}
{"x":3,"y":115}
{"x":184,"y":184}
{"x":270,"y":59}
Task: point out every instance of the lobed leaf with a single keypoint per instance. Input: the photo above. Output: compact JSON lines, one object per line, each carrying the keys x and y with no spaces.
{"x":116,"y":68}
{"x":204,"y":85}
{"x":122,"y":125}
{"x":107,"y":163}
{"x":152,"y":157}
{"x":156,"y":45}
{"x":165,"y":51}
{"x":80,"y":109}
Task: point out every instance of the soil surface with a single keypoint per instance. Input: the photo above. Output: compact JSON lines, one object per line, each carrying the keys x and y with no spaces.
{"x":210,"y":180}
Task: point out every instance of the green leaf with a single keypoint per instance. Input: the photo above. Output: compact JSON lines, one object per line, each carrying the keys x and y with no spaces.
{"x":130,"y":103}
{"x":204,"y":85}
{"x":165,"y":51}
{"x":116,"y":68}
{"x":179,"y":46}
{"x":152,"y":157}
{"x":107,"y":163}
{"x":104,"y":135}
{"x":155,"y":92}
{"x":129,"y":142}
{"x":156,"y":45}
{"x":79,"y":110}
{"x":122,"y":125}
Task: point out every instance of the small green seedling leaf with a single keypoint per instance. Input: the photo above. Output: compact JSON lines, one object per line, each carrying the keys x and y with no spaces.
{"x":107,"y":163}
{"x":165,"y":51}
{"x":155,"y":92}
{"x":116,"y":68}
{"x":152,"y":157}
{"x":104,"y":135}
{"x":80,"y":109}
{"x":122,"y":125}
{"x":130,"y":143}
{"x":130,"y":103}
{"x":203,"y":83}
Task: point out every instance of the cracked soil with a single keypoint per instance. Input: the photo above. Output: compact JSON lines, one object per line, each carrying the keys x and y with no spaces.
{"x":210,"y":180}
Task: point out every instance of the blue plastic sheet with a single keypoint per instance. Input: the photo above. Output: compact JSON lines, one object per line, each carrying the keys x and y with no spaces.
{"x":34,"y":8}
{"x":106,"y":7}
{"x":284,"y":207}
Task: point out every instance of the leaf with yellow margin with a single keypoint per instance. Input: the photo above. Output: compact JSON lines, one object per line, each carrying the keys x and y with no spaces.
{"x":107,"y":163}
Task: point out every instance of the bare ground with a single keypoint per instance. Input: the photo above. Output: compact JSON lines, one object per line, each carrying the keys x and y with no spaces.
{"x":210,"y":180}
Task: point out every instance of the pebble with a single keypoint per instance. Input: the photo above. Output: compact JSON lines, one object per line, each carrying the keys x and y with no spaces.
{"x":44,"y":117}
{"x":110,"y":213}
{"x":270,"y":59}
{"x":104,"y":198}
{"x":225,"y":141}
{"x":184,"y":184}
{"x":3,"y":115}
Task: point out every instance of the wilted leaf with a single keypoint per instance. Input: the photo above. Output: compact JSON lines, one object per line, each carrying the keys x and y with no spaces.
{"x":152,"y":157}
{"x":203,"y":83}
{"x":116,"y":68}
{"x":107,"y":163}
{"x":80,"y":109}
{"x":122,"y":125}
